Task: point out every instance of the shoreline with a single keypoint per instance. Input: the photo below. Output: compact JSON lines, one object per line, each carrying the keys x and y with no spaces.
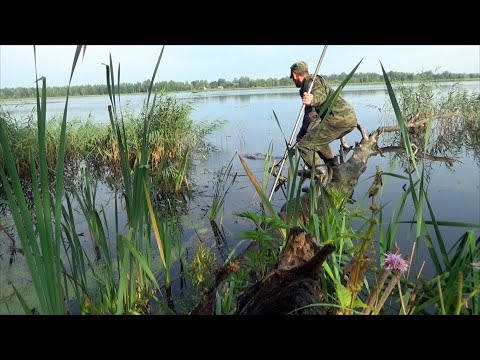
{"x":242,"y":89}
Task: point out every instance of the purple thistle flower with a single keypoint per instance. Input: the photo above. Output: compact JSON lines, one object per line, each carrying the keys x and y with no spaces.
{"x":476,"y":265}
{"x":395,"y":263}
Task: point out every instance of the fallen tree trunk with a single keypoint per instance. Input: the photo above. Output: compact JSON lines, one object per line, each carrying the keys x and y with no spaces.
{"x":353,"y":168}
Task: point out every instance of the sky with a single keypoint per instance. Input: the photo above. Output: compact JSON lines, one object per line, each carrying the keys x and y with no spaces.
{"x":211,"y":62}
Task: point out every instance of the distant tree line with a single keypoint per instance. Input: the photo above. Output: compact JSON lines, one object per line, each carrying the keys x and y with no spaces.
{"x":243,"y":82}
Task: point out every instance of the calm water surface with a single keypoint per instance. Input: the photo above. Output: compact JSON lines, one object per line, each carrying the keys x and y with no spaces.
{"x":453,"y":192}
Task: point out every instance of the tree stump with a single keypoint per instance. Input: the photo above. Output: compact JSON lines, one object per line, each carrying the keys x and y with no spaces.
{"x":295,"y":283}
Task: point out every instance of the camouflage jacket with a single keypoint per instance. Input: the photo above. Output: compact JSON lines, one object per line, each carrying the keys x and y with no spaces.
{"x":321,"y":92}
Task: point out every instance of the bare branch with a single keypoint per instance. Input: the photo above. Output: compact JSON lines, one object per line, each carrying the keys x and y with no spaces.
{"x":419,"y":122}
{"x":362,"y":131}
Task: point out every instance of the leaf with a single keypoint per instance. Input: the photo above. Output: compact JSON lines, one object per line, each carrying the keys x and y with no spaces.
{"x":344,"y":295}
{"x":359,"y":303}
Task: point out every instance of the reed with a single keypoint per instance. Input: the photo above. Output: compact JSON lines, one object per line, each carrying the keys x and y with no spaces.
{"x":352,"y":279}
{"x":41,"y":238}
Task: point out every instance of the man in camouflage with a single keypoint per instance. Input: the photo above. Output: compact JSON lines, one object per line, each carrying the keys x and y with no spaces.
{"x":315,"y":135}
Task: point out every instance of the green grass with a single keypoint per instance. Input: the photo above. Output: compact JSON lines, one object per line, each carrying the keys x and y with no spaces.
{"x":124,"y":276}
{"x":352,"y":276}
{"x":173,"y":137}
{"x":125,"y":281}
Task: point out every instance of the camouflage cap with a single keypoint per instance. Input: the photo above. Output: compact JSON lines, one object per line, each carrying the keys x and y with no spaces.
{"x":298,"y":67}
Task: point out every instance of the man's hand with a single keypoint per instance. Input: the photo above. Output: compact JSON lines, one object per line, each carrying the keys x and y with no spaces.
{"x":307,"y":98}
{"x":291,"y":151}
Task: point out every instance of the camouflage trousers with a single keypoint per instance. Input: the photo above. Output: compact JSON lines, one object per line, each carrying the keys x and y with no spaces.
{"x":314,"y":145}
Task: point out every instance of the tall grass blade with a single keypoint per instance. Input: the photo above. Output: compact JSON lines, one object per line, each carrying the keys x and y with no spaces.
{"x":447,"y":223}
{"x":23,"y":222}
{"x":440,"y":241}
{"x":44,"y":262}
{"x":23,"y":303}
{"x":401,"y":120}
{"x":262,"y":195}
{"x":153,"y":219}
{"x":440,"y":294}
{"x":279,"y":126}
{"x":122,"y":284}
{"x":60,"y":167}
{"x":326,"y":109}
{"x":141,"y":261}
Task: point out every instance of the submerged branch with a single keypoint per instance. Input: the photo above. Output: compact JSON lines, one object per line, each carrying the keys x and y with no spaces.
{"x":419,"y":122}
{"x":419,"y":154}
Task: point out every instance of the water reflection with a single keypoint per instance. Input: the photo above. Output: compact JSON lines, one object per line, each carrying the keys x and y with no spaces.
{"x":220,"y":239}
{"x":454,"y":193}
{"x":454,"y":132}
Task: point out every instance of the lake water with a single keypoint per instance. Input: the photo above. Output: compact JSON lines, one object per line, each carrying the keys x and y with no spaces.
{"x":454,"y":192}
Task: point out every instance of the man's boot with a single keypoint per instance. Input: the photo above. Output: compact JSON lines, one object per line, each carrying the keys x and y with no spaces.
{"x":332,"y":166}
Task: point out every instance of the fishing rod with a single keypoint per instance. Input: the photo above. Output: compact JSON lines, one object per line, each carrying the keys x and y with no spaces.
{"x":300,"y":115}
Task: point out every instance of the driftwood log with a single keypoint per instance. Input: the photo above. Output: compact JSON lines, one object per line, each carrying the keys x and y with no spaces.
{"x":207,"y":305}
{"x":368,"y":147}
{"x":296,"y":280}
{"x":293,"y":284}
